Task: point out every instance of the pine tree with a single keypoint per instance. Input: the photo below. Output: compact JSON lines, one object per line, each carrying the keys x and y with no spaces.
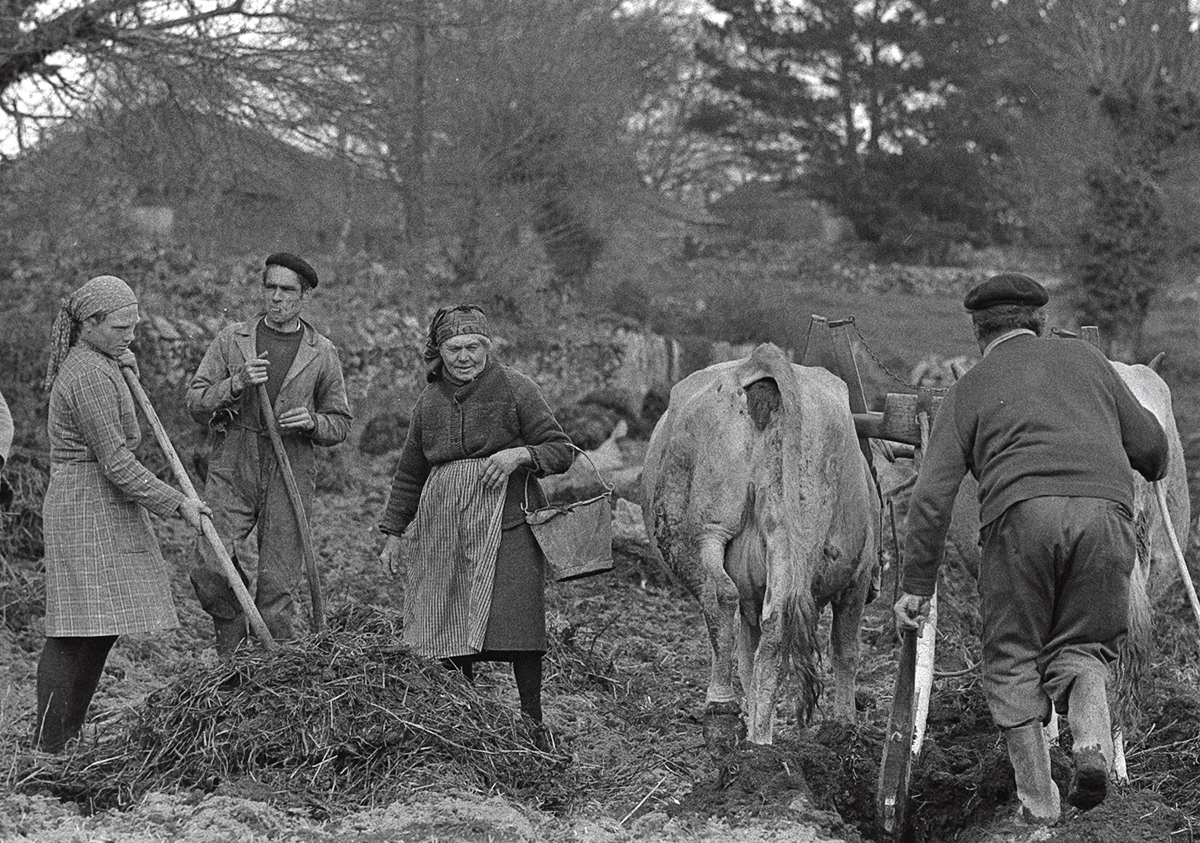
{"x":886,"y":108}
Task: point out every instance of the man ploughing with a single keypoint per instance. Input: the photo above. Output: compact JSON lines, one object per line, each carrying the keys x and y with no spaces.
{"x":1050,"y":431}
{"x":245,"y":487}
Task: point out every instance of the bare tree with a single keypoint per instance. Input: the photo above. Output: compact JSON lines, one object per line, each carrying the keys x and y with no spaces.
{"x":504,"y":110}
{"x":56,"y":58}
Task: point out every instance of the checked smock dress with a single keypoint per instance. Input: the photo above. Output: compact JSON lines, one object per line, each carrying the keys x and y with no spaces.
{"x":105,"y":574}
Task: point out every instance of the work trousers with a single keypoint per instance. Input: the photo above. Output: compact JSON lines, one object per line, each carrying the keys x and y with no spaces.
{"x":1054,"y":594}
{"x":273,"y":567}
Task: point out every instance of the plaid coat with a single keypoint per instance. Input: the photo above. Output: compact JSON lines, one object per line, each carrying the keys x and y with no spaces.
{"x":6,"y":431}
{"x":105,"y":574}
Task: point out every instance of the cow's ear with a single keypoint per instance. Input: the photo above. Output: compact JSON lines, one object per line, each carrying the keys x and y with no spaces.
{"x":1155,"y":360}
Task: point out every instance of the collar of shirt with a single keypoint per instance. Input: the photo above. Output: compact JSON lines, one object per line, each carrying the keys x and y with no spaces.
{"x":1007,"y":335}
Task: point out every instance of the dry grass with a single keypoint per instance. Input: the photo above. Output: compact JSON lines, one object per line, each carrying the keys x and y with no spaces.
{"x":349,"y":720}
{"x":345,"y":719}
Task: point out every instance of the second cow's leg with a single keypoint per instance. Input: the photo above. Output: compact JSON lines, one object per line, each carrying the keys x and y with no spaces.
{"x":747,"y":644}
{"x":719,"y":603}
{"x":763,"y":691}
{"x":844,"y":638}
{"x":723,"y":725}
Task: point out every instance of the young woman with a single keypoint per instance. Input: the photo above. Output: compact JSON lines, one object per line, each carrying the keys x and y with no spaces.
{"x":105,"y":574}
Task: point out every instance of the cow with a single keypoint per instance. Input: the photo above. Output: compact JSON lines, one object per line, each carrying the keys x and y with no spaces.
{"x":761,"y":502}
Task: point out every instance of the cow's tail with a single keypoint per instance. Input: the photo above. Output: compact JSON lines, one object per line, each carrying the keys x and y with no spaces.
{"x":802,"y":653}
{"x":800,"y":647}
{"x":1138,"y":646}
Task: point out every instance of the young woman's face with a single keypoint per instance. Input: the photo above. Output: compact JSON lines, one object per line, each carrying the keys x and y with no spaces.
{"x":112,"y":334}
{"x":465,"y":356}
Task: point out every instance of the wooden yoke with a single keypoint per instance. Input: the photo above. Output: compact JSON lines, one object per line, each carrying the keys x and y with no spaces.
{"x":899,"y":421}
{"x":829,"y":346}
{"x":847,"y":369}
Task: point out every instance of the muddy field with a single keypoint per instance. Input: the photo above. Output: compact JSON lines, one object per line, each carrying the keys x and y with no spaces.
{"x":624,"y":701}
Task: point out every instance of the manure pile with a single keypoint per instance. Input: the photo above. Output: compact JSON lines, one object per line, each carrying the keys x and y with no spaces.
{"x":343,"y":720}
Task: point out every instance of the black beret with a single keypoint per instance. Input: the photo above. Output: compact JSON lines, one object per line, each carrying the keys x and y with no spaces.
{"x":1006,"y":288}
{"x":296,"y":264}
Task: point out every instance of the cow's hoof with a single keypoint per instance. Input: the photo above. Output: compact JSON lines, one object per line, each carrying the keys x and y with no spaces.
{"x":723,"y":708}
{"x":724,"y":730}
{"x":727,"y":774}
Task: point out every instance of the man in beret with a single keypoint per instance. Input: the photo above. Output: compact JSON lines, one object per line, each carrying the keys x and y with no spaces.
{"x":244,"y":487}
{"x":1050,"y":431}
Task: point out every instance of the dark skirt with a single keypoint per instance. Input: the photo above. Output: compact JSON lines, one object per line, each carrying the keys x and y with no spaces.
{"x":517,"y":619}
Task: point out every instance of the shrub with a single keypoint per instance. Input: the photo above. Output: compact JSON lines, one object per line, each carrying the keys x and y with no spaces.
{"x":654,"y":404}
{"x":384,"y":432}
{"x":588,"y":425}
{"x":631,"y":300}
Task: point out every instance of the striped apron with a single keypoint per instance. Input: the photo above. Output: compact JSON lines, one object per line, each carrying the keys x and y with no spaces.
{"x":451,"y":561}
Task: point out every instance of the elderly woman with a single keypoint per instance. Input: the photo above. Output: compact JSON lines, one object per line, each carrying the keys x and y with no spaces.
{"x":480,"y":434}
{"x":105,"y":575}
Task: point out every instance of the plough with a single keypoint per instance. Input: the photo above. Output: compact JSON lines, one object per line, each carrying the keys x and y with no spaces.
{"x":902,"y":429}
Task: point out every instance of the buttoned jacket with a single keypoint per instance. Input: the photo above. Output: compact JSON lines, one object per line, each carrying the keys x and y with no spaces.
{"x":313,"y":381}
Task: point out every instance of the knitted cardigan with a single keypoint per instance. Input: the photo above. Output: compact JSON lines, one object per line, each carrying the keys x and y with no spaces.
{"x":499,"y":409}
{"x":1036,"y":417}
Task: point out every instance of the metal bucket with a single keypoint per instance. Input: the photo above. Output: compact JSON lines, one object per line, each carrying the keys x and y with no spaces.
{"x":576,"y":538}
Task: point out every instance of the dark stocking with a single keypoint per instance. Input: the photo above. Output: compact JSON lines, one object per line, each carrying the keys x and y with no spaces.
{"x":68,"y":671}
{"x":463,"y":664}
{"x":527,"y":670}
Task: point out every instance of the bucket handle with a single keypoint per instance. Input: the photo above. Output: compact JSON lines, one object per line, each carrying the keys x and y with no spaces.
{"x":608,"y":488}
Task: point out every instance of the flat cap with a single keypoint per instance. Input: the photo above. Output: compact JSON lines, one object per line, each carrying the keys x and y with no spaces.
{"x":296,"y":264}
{"x":1006,"y":288}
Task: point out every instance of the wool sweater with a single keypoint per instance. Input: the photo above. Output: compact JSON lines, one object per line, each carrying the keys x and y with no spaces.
{"x":1035,"y":417}
{"x":499,"y":409}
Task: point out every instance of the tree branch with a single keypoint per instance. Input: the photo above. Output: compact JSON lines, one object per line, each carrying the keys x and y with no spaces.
{"x":82,"y":25}
{"x":234,"y":8}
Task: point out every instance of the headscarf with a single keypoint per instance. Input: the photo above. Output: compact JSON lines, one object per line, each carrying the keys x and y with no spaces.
{"x":451,"y":322}
{"x":98,"y":297}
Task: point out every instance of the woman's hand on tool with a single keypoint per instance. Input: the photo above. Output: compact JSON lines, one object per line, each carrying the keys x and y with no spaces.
{"x":128,"y":360}
{"x":190,"y":509}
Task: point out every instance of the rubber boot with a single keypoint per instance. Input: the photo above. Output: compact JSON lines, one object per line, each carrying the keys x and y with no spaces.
{"x":229,"y":636}
{"x":1029,"y":753}
{"x":1091,"y":731}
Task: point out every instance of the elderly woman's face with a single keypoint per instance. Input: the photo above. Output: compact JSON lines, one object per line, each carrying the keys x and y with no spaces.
{"x":465,"y":356}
